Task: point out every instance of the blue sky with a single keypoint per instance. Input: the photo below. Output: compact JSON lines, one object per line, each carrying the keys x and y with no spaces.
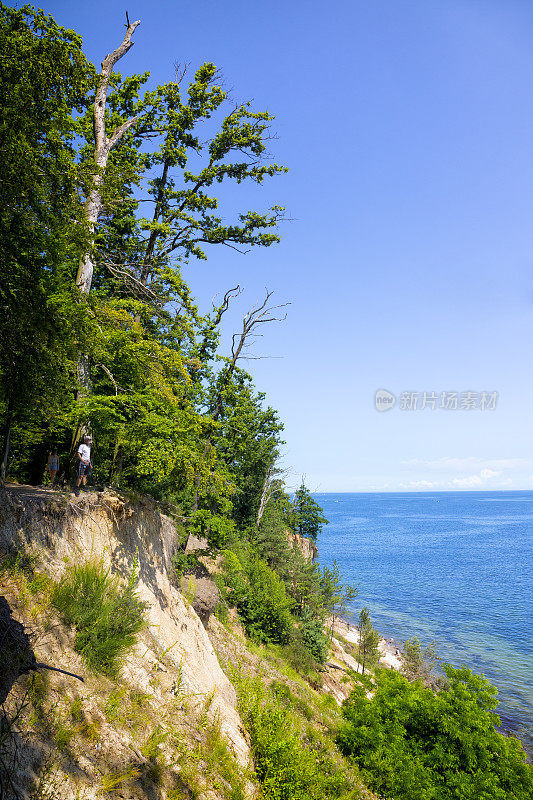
{"x":408,"y":131}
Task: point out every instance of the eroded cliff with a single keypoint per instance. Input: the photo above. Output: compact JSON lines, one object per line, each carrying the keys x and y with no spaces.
{"x":173,"y":657}
{"x":168,"y":727}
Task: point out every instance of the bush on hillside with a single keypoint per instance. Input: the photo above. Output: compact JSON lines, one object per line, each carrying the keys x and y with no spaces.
{"x":289,"y":764}
{"x":107,"y":615}
{"x":413,"y":744}
{"x":314,"y":638}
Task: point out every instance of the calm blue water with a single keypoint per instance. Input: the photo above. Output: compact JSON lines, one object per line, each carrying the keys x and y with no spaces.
{"x":454,"y":567}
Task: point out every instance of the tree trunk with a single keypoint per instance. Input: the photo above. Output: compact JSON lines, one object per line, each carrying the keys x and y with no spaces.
{"x":103,"y":146}
{"x":93,"y":206}
{"x":148,"y":257}
{"x":7,"y":437}
{"x":265,"y":496}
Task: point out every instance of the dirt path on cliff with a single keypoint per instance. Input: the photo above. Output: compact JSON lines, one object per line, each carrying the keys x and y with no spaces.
{"x":24,"y":494}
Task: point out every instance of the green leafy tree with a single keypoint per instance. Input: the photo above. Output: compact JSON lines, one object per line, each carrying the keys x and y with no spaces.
{"x":418,"y":663}
{"x":156,"y":211}
{"x":94,"y":244}
{"x":262,"y":602}
{"x":309,"y":517}
{"x":43,"y":85}
{"x":368,"y":652}
{"x":302,"y":577}
{"x":413,"y":744}
{"x":271,"y":539}
{"x":314,"y":637}
{"x":247,"y":439}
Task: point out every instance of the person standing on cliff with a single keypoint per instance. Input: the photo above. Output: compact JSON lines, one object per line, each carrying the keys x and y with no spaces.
{"x":84,"y":463}
{"x":52,"y":465}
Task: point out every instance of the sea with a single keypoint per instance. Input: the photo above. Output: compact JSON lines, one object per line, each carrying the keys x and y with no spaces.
{"x":448,"y":567}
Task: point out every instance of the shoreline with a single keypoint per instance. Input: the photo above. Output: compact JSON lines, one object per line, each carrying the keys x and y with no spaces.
{"x":366,"y":536}
{"x":390,"y":654}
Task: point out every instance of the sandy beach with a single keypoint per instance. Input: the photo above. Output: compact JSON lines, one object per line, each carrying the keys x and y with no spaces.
{"x":390,"y":654}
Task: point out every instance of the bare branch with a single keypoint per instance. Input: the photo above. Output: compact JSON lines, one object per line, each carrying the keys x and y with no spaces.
{"x":103,"y":146}
{"x":256,"y":316}
{"x":181,"y":70}
{"x":119,"y":132}
{"x":110,"y":376}
{"x":119,"y":271}
{"x":56,"y":669}
{"x":101,"y":93}
{"x":220,"y":311}
{"x":230,"y":294}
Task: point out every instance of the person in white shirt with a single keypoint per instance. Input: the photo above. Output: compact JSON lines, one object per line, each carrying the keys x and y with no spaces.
{"x":84,"y":462}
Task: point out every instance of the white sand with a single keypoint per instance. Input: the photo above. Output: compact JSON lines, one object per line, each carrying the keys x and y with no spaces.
{"x":389,"y":652}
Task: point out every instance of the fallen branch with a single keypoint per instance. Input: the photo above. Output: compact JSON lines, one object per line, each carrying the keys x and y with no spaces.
{"x":39,"y":665}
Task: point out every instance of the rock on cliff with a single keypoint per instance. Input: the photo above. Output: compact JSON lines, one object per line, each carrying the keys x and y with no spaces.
{"x":306,"y":546}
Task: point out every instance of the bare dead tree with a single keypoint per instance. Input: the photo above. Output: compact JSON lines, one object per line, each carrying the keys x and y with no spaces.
{"x":220,"y":311}
{"x":274,"y":479}
{"x":269,"y":486}
{"x":258,"y":315}
{"x":103,"y":146}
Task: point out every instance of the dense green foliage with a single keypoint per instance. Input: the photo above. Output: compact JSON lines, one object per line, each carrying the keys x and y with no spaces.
{"x":280,"y":595}
{"x":308,"y":516}
{"x":414,"y":744}
{"x":169,"y":415}
{"x":290,"y":764}
{"x":107,"y":615}
{"x":261,"y":599}
{"x":44,"y":82}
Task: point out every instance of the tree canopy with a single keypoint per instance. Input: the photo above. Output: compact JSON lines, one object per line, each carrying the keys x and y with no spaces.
{"x":149,"y":357}
{"x":44,"y":86}
{"x":309,"y":517}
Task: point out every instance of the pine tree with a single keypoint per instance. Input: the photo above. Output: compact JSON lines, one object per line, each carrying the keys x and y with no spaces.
{"x":309,"y":516}
{"x":368,"y":641}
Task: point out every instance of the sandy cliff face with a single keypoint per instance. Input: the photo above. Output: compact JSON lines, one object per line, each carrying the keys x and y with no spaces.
{"x":101,"y":525}
{"x":307,"y":547}
{"x":162,"y":730}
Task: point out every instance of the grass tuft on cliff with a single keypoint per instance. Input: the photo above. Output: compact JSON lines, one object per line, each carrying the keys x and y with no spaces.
{"x":107,"y":615}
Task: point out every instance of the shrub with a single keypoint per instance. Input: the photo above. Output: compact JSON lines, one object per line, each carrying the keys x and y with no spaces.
{"x":287,"y":766}
{"x":314,"y":638}
{"x":184,"y":562}
{"x":260,"y":598}
{"x":298,"y":656}
{"x":413,"y":744}
{"x":107,"y":615}
{"x":264,"y":606}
